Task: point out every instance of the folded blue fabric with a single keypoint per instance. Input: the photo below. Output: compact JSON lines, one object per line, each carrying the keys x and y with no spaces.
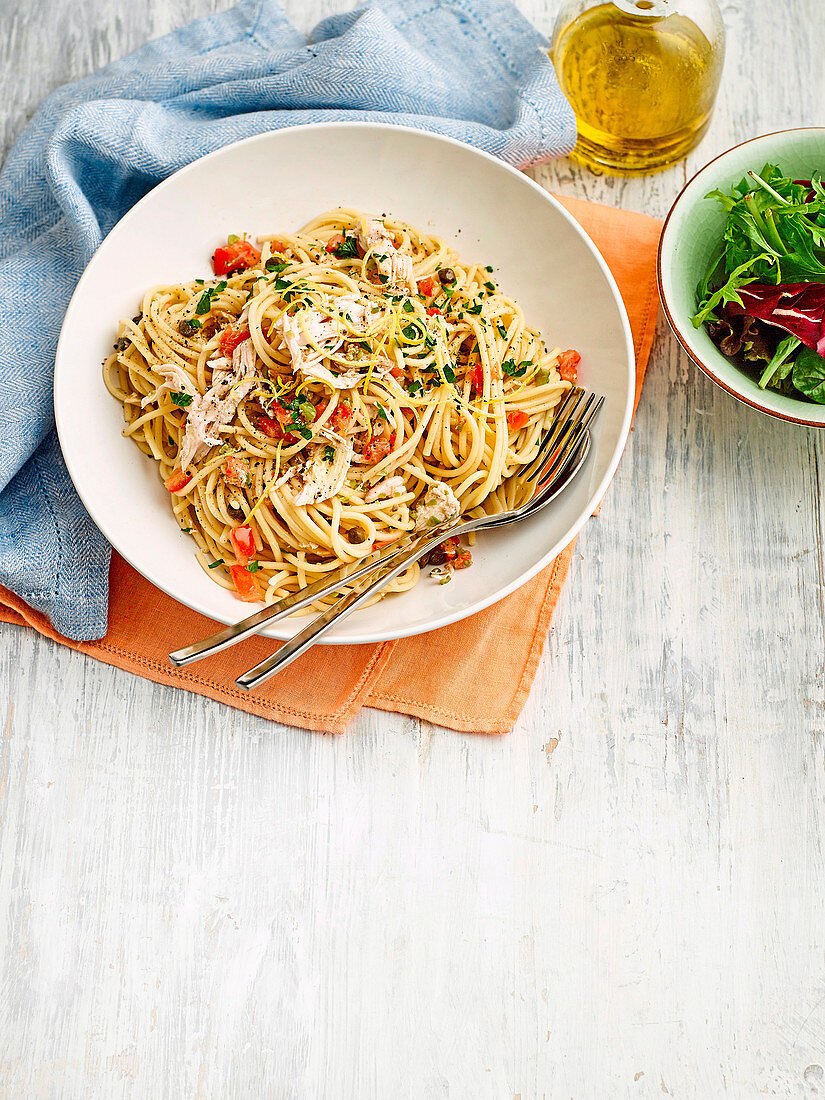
{"x":472,"y":69}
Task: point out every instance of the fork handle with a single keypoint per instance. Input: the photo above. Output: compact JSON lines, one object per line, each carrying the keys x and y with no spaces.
{"x":252,"y":624}
{"x":313,"y":631}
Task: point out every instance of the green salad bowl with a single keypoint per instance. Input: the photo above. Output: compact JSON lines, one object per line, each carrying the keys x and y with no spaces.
{"x":691,"y":238}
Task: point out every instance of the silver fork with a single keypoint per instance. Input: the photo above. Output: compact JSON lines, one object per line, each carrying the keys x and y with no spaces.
{"x":561,"y":455}
{"x":231,"y":635}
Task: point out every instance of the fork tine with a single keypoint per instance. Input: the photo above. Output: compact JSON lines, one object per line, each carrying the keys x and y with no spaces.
{"x":567,"y":407}
{"x":581,"y":414}
{"x":557,"y":461}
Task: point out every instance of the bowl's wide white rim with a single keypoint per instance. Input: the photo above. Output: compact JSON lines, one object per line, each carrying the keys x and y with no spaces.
{"x":155,"y":577}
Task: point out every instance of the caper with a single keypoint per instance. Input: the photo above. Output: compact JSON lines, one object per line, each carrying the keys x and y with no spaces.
{"x":446,"y":276}
{"x":186,"y":328}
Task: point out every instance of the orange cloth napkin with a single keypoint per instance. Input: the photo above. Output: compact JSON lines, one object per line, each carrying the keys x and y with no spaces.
{"x":494,"y":654}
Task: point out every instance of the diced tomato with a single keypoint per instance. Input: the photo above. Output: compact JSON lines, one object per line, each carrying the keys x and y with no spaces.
{"x":450,"y":548}
{"x":568,"y":365}
{"x":236,"y":471}
{"x":476,"y":375}
{"x":230,"y":338}
{"x":433,"y":311}
{"x":340,"y":417}
{"x":244,"y":583}
{"x":517,"y":419}
{"x":243,"y":543}
{"x":457,"y":556}
{"x":273,"y":426}
{"x":177,"y":480}
{"x":398,"y":374}
{"x":270,"y":427}
{"x":426,"y":286}
{"x":235,"y":257}
{"x":377,"y":449}
{"x":277,"y":246}
{"x":335,"y":242}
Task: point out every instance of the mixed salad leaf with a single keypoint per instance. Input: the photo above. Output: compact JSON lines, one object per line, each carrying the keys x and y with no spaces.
{"x":763,"y":298}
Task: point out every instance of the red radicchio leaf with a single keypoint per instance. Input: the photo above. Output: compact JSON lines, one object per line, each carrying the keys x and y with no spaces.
{"x":797,"y":308}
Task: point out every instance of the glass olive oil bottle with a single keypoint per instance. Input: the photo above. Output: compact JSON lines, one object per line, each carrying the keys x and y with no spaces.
{"x":641,"y":76}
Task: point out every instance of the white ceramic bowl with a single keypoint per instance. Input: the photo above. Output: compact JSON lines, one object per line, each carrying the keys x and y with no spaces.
{"x":279,"y":180}
{"x":692,"y":234}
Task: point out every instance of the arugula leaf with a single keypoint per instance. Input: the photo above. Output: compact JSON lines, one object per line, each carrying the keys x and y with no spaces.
{"x":728,"y":292}
{"x":182,"y":400}
{"x":780,"y":361}
{"x":809,"y":375}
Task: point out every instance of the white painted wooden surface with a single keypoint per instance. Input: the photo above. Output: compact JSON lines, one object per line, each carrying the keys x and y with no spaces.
{"x":624,"y":898}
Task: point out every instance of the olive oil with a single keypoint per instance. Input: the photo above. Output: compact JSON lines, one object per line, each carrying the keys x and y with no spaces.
{"x":642,"y":85}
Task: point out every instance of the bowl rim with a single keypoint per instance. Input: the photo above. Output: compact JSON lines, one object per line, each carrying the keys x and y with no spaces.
{"x":280,"y":631}
{"x":786,"y":416}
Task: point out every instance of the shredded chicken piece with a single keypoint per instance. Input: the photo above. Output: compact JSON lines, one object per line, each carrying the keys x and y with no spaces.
{"x":301,"y":330}
{"x":323,"y":478}
{"x":354,"y":307}
{"x":439,"y":505}
{"x":385,"y":488}
{"x":397,"y":266}
{"x":216,"y":408}
{"x":176,"y":380}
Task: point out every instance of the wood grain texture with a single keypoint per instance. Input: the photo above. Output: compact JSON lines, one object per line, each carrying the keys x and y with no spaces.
{"x":624,"y":898}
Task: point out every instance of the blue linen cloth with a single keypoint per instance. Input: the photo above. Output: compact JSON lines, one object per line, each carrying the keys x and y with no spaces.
{"x":471,"y":69}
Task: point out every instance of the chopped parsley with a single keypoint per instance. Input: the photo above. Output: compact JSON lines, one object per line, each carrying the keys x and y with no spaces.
{"x":300,"y":428}
{"x":383,"y":279}
{"x":254,"y":566}
{"x":415,"y":388}
{"x":215,"y":564}
{"x":347,"y":249}
{"x":273,"y":264}
{"x":408,"y":307}
{"x":182,"y":400}
{"x":205,"y":300}
{"x":329,"y":453}
{"x":383,"y":414}
{"x":513,"y":369}
{"x":448,"y":372}
{"x":488,"y":268}
{"x":502,"y":331}
{"x":475,"y":309}
{"x":410,"y":331}
{"x":491,"y":287}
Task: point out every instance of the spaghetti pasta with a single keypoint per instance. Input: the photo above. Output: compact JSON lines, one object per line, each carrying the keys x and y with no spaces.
{"x":330,"y":391}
